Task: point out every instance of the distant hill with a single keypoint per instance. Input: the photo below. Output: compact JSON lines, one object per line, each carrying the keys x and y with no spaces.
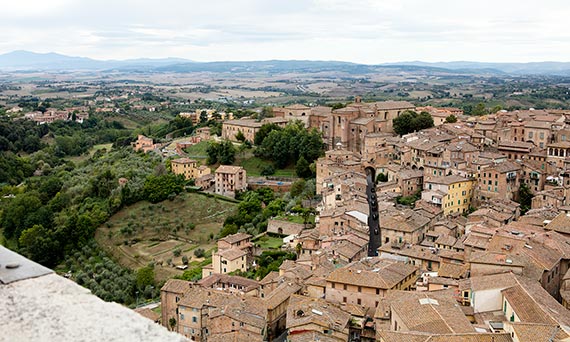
{"x":26,"y":60}
{"x":53,"y":61}
{"x":534,"y":68}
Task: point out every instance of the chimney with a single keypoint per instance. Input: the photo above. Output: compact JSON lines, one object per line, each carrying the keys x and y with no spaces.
{"x":357,"y":99}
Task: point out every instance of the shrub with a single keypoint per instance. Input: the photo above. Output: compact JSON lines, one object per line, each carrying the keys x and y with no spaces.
{"x":199,"y":252}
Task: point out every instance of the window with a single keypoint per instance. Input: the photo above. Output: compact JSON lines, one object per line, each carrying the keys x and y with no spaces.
{"x":344,"y":287}
{"x":359,"y":301}
{"x":181,"y":317}
{"x":344,"y":299}
{"x":332,"y":285}
{"x":194,"y":319}
{"x":359,"y":289}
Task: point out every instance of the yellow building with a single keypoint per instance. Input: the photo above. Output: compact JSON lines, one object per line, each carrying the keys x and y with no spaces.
{"x":453,"y":194}
{"x":189,"y":168}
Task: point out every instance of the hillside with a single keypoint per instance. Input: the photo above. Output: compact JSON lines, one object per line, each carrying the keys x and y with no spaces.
{"x":145,"y":232}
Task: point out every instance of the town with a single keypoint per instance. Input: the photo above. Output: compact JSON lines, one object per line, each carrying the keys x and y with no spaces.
{"x":248,"y":221}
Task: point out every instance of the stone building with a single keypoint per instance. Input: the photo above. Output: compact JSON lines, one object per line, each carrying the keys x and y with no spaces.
{"x":229,"y":179}
{"x":366,"y":281}
{"x":189,"y":168}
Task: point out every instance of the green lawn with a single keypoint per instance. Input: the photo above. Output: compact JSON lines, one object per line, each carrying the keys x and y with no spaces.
{"x":197,"y":151}
{"x":295,"y":218}
{"x":254,"y":166}
{"x":269,"y":242}
{"x":85,"y":156}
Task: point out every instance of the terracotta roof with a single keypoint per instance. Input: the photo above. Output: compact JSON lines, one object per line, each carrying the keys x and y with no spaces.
{"x":494,"y":281}
{"x":476,"y":241}
{"x":269,"y":278}
{"x":229,"y":169}
{"x":244,"y":123}
{"x":387,"y":105}
{"x":302,"y":312}
{"x":447,"y":180}
{"x":176,"y":286}
{"x":412,"y":251}
{"x":232,"y":253}
{"x":532,"y":304}
{"x":490,"y":258}
{"x":431,"y":312}
{"x":537,"y":332}
{"x":446,"y":240}
{"x":231,"y":239}
{"x":405,"y":221}
{"x":560,"y":223}
{"x":216,"y":278}
{"x":148,"y":313}
{"x":390,"y":336}
{"x":280,"y":294}
{"x":372,"y":272}
{"x":454,"y":271}
{"x":183,"y":161}
{"x":443,"y":281}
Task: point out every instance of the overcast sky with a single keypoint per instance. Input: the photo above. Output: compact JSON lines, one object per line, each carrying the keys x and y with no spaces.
{"x":365,"y":31}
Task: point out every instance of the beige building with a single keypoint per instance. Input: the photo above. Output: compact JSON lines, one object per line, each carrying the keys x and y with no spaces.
{"x":499,"y":181}
{"x":230,"y":179}
{"x":316,"y":319}
{"x":335,"y":162}
{"x":143,"y":144}
{"x":366,"y":281}
{"x":188,"y":168}
{"x":234,"y":254}
{"x":411,"y":312}
{"x":453,"y":194}
{"x":248,"y":127}
{"x":403,"y":227}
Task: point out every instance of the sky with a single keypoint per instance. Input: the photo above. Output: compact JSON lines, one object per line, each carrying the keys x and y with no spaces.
{"x":361,"y":31}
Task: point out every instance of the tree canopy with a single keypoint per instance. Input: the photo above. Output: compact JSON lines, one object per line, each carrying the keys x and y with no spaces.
{"x":410,"y":121}
{"x":286,"y":146}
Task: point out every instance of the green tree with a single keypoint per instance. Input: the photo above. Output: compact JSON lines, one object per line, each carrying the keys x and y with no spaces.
{"x":145,"y":277}
{"x":172,"y":323}
{"x":297,"y":187}
{"x":199,"y":253}
{"x":451,"y":119}
{"x":410,"y":121}
{"x":381,"y":178}
{"x":41,"y":245}
{"x":227,"y":153}
{"x":240,"y":136}
{"x":212,"y":152}
{"x":525,"y":198}
{"x":264,"y":131}
{"x":302,"y":168}
{"x":158,"y":188}
{"x":479,"y":109}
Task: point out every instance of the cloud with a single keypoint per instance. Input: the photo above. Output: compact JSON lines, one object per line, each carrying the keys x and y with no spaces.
{"x":369,"y":31}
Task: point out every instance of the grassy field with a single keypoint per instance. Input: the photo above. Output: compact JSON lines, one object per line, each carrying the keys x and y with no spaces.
{"x":198,"y":151}
{"x":295,"y":218}
{"x":92,"y":150}
{"x":254,"y":166}
{"x":145,"y":232}
{"x":269,"y":242}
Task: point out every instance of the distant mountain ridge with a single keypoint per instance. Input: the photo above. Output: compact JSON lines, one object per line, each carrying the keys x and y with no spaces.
{"x":26,"y":60}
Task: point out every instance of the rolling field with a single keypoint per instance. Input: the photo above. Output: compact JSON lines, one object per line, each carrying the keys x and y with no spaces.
{"x":164,"y":232}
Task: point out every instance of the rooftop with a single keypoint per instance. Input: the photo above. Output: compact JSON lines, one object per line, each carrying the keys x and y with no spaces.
{"x":372,"y":272}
